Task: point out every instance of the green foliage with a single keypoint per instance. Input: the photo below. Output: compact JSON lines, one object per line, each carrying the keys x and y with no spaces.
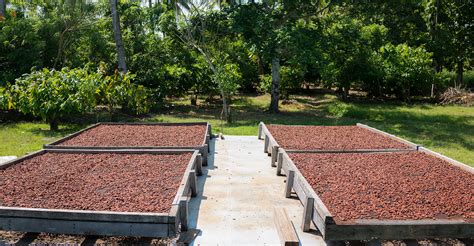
{"x":445,"y":79}
{"x":338,"y":109}
{"x":349,"y":54}
{"x":338,"y":46}
{"x":4,"y":98}
{"x":119,"y":91}
{"x":20,"y":48}
{"x":227,"y":76}
{"x":265,"y":84}
{"x":53,"y":94}
{"x":407,"y":70}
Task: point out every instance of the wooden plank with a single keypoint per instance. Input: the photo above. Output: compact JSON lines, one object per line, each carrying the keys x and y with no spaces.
{"x":286,"y":230}
{"x":299,"y":190}
{"x":318,"y":221}
{"x":71,"y":135}
{"x":58,"y":147}
{"x":398,"y":231}
{"x":307,"y":214}
{"x":350,"y":151}
{"x":84,"y":227}
{"x":121,"y":151}
{"x":82,"y":215}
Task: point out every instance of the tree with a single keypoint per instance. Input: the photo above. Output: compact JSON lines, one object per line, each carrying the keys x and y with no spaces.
{"x":268,"y":27}
{"x":452,"y":34}
{"x":207,"y":32}
{"x":122,"y":66}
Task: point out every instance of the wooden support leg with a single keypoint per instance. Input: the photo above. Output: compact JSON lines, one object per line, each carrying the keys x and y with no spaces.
{"x":279,"y":163}
{"x":204,"y":153}
{"x":208,"y":142}
{"x":265,"y":147}
{"x":183,"y":213}
{"x":290,"y":178}
{"x":193,"y":183}
{"x":260,"y":130}
{"x":199,"y":165}
{"x":307,"y":213}
{"x":274,"y":155}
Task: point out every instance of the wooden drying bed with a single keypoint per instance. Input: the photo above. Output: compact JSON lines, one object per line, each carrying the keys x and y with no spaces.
{"x":163,"y":137}
{"x":98,"y":222}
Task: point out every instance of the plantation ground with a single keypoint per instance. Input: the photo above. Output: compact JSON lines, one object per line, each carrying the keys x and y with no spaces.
{"x":446,"y":129}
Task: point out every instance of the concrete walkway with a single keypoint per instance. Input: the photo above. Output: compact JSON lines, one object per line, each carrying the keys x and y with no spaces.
{"x":237,"y":195}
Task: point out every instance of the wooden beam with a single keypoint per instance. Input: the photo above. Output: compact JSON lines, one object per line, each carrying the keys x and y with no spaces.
{"x":286,"y":230}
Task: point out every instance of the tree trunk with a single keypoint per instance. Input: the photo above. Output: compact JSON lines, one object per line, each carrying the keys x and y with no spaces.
{"x":122,"y":66}
{"x":53,"y":125}
{"x":460,"y":70}
{"x":3,"y":8}
{"x":275,"y":93}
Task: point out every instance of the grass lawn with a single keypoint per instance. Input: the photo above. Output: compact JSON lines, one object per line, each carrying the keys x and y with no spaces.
{"x":446,"y":129}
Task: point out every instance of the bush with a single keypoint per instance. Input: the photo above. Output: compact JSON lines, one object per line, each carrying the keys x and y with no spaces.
{"x":338,"y":109}
{"x":119,"y":91}
{"x":446,"y":79}
{"x":3,"y":99}
{"x":52,"y":94}
{"x":291,"y":78}
{"x":407,"y":70}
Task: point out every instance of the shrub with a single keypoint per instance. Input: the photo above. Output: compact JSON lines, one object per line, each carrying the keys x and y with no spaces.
{"x":338,"y":109}
{"x":52,"y":94}
{"x":119,"y":91}
{"x":446,"y":79}
{"x":407,"y":70}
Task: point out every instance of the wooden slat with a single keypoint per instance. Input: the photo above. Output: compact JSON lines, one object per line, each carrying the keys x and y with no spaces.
{"x":285,"y":228}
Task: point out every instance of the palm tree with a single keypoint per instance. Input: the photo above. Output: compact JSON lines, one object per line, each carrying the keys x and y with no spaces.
{"x":122,"y":66}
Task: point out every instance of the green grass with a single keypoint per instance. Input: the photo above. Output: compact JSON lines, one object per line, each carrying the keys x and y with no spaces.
{"x":21,"y":138}
{"x":446,"y":129}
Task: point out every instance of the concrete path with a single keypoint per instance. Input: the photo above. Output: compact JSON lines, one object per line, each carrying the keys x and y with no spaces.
{"x":237,"y":195}
{"x":7,"y":158}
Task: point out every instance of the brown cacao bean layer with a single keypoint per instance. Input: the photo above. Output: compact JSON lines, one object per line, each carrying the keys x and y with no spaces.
{"x":331,"y":138}
{"x":100,"y":182}
{"x":400,"y":186}
{"x":139,"y":135}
